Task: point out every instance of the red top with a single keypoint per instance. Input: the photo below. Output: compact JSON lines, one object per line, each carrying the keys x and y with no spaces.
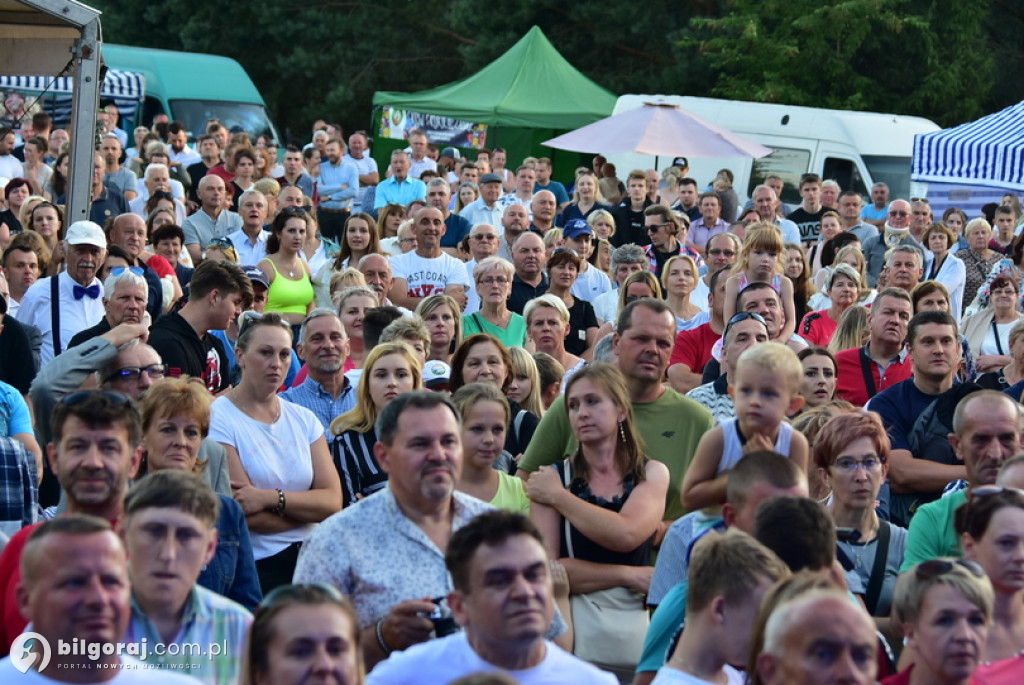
{"x":903,"y":678}
{"x":693,"y":347}
{"x":818,"y":328}
{"x":12,"y":623}
{"x":160,"y":266}
{"x":850,"y":381}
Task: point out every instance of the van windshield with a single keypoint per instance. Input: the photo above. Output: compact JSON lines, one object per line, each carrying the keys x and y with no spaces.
{"x":893,"y":171}
{"x":788,"y":164}
{"x":251,"y":118}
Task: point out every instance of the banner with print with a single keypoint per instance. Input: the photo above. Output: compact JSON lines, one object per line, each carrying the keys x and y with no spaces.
{"x":442,"y":131}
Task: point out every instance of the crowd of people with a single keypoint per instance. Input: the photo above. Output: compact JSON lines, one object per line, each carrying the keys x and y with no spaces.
{"x":451,"y":421}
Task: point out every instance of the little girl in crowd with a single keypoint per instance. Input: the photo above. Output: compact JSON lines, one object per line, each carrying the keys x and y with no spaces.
{"x":759,"y":263}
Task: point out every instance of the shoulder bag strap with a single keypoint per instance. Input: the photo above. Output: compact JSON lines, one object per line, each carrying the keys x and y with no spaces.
{"x":865,"y":367}
{"x":995,"y":334}
{"x":567,"y":478}
{"x":55,"y":313}
{"x":878,"y":568}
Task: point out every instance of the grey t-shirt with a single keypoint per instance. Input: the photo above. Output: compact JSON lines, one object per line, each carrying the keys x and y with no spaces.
{"x":863,"y":557}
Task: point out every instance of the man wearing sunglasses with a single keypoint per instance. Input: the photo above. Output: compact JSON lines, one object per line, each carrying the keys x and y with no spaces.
{"x":986,"y":434}
{"x":95,"y":451}
{"x":895,"y":232}
{"x":662,"y":225}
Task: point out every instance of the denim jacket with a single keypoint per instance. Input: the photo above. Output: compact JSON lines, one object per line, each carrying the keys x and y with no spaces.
{"x":232,"y":571}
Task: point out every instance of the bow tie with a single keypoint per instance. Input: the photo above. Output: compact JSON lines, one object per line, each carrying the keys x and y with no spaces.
{"x":93,"y":291}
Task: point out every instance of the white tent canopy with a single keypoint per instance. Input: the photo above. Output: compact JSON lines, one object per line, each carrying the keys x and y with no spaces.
{"x":989,"y":151}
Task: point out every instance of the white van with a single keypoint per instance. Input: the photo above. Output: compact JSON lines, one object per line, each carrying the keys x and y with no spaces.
{"x":856,"y":149}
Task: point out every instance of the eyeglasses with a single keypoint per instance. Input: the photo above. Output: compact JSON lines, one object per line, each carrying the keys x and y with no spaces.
{"x":290,"y":591}
{"x":81,"y":396}
{"x":133,"y":373}
{"x":654,"y":227}
{"x":725,"y":253}
{"x":849,"y":465}
{"x":934,"y":568}
{"x":484,"y":236}
{"x":496,"y":280}
{"x":899,"y":213}
{"x":118,"y":270}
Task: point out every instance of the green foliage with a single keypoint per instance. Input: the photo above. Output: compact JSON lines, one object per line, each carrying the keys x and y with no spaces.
{"x":949,"y":61}
{"x":900,"y":56}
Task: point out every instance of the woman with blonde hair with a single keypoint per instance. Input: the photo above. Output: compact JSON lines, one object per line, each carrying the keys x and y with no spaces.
{"x":759,"y":263}
{"x":525,"y":386}
{"x":443,"y":318}
{"x":391,"y":369}
{"x":547,"y":325}
{"x":586,"y":198}
{"x":341,"y":281}
{"x":679,"y":276}
{"x":352,"y":305}
{"x":603,"y":223}
{"x":852,"y":330}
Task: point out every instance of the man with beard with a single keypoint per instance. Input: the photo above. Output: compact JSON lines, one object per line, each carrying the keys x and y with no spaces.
{"x":387,"y":553}
{"x":986,"y":433}
{"x":75,"y":293}
{"x":95,"y":451}
{"x":882,"y":362}
{"x":323,"y":345}
{"x":428,"y":269}
{"x":336,"y":187}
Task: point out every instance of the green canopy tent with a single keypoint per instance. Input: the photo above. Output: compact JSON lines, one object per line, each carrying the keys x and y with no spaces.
{"x":526,"y":96}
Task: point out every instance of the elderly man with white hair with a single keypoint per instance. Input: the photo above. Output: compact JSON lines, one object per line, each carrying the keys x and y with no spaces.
{"x":157,"y":179}
{"x":125,"y":294}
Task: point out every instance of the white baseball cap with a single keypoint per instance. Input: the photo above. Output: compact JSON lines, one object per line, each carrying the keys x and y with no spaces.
{"x":86,"y":233}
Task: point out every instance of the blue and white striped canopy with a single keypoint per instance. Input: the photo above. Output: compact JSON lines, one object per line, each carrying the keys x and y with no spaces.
{"x":116,"y":84}
{"x":989,"y":151}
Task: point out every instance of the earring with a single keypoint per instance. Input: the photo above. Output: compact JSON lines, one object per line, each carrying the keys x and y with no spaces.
{"x":622,"y":432}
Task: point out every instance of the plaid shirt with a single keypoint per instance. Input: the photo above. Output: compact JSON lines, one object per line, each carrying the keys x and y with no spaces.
{"x":208,"y":619}
{"x":19,"y":498}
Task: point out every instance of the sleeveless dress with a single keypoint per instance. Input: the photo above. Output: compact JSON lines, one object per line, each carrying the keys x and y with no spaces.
{"x":744,"y":282}
{"x":287,"y":296}
{"x":732,"y":452}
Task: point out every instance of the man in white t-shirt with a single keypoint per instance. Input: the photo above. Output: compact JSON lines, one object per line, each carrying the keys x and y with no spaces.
{"x":428,"y":270}
{"x":75,"y":588}
{"x":504,"y":601}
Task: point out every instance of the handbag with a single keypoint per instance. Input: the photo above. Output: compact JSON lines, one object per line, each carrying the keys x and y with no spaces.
{"x":609,"y":625}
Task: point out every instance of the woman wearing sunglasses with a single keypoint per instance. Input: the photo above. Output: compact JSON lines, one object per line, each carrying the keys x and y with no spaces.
{"x":852,"y":455}
{"x":945,"y":606}
{"x":991,"y":529}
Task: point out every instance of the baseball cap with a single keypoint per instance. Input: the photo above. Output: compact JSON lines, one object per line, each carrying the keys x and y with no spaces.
{"x":86,"y":233}
{"x":574,"y":228}
{"x":681,"y":162}
{"x":436,"y":374}
{"x":256,"y":275}
{"x":451,"y":152}
{"x":490,"y":178}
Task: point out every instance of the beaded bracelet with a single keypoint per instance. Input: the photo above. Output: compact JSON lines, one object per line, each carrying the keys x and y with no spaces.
{"x":279,"y":509}
{"x":380,"y":638}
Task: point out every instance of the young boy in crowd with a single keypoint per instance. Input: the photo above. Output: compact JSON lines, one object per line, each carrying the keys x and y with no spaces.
{"x":765,"y":390}
{"x":729,"y":575}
